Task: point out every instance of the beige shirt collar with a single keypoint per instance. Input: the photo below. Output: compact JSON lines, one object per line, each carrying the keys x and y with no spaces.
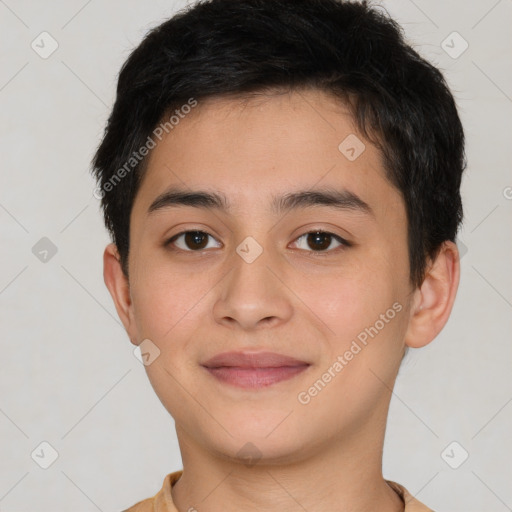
{"x":162,"y":500}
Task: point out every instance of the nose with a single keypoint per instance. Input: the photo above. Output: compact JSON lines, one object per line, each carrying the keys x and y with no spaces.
{"x":253,"y":294}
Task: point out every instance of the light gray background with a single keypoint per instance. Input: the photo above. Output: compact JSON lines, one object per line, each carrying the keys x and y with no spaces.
{"x":68,"y":375}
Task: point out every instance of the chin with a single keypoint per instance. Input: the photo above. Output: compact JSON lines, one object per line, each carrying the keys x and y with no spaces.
{"x":260,"y":452}
{"x":265,"y":442}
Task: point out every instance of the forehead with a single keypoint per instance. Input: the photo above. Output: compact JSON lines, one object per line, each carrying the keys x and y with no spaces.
{"x":255,"y":149}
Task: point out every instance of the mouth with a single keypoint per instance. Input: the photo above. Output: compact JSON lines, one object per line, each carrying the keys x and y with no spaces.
{"x":253,"y":370}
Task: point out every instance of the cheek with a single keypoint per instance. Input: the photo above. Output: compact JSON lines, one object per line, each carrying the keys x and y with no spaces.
{"x":166,"y":301}
{"x":347,"y":304}
{"x":365,"y":315}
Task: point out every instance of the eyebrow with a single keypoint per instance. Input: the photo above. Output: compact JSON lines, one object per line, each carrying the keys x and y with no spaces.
{"x":327,"y":197}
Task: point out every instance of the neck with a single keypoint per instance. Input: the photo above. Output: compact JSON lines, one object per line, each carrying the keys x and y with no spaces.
{"x":342,"y":475}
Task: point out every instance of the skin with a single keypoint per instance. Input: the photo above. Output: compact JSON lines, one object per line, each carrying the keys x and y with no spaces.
{"x":193,"y":305}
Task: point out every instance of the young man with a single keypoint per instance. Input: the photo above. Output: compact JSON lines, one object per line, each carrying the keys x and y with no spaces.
{"x":281,"y":183}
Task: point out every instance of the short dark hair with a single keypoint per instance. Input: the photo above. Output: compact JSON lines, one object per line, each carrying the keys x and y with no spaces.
{"x":356,"y":52}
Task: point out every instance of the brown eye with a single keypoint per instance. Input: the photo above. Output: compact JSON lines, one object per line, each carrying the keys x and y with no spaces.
{"x":320,"y":241}
{"x":190,"y":240}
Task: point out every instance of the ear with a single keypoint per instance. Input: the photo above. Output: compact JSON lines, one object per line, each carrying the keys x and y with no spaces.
{"x":433,"y":300}
{"x":119,"y":288}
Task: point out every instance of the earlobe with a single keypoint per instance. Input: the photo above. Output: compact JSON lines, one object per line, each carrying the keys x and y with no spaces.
{"x":118,"y":286}
{"x":434,"y":299}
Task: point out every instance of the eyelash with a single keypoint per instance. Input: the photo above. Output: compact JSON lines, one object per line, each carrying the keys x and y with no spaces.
{"x":344,"y":243}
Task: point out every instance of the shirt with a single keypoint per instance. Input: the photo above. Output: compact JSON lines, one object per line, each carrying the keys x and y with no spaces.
{"x":162,"y":500}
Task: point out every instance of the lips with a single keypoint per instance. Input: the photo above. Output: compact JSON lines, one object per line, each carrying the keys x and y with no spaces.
{"x":252,"y":360}
{"x":253,"y":370}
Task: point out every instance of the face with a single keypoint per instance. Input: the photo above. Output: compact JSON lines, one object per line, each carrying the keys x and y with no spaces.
{"x":323,"y":279}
